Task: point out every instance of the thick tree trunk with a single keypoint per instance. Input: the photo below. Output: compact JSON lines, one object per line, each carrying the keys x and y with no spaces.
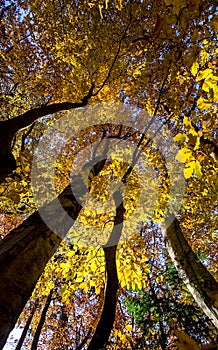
{"x":24,"y":252}
{"x":195,"y":275}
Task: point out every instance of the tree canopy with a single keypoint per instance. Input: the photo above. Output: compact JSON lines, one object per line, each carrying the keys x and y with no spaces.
{"x":108,"y":170}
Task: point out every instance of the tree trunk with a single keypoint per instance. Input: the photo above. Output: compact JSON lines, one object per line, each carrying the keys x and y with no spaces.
{"x":24,"y":252}
{"x":195,"y":275}
{"x":25,"y":330}
{"x":41,"y":321}
{"x":107,"y":318}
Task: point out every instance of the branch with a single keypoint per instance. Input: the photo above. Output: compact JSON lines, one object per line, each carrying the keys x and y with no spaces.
{"x":32,"y":115}
{"x":25,"y":251}
{"x":9,"y":128}
{"x":27,"y":325}
{"x":84,"y":341}
{"x":114,"y":60}
{"x":186,"y":343}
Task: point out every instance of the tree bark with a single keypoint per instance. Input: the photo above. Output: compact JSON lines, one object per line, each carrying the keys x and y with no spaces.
{"x":107,"y":318}
{"x":41,"y":321}
{"x":9,"y":128}
{"x":195,"y":275}
{"x":24,"y":252}
{"x":187,"y":343}
{"x":27,"y":325}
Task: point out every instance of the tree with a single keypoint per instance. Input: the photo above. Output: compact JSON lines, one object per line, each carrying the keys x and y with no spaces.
{"x":49,"y":61}
{"x":26,"y":328}
{"x":41,"y":322}
{"x":164,"y":304}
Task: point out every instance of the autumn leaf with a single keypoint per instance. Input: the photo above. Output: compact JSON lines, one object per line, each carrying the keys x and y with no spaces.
{"x":195,"y":68}
{"x":184,"y":154}
{"x":189,"y":169}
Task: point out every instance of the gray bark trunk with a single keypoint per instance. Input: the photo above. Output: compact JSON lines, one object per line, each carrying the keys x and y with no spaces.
{"x":24,"y":253}
{"x":195,"y":275}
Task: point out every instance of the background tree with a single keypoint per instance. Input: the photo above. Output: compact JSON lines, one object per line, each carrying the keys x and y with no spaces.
{"x":166,"y":304}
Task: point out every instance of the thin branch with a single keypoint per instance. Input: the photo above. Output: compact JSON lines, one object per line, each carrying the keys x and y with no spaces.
{"x":114,"y":60}
{"x":24,"y":136}
{"x":84,"y":341}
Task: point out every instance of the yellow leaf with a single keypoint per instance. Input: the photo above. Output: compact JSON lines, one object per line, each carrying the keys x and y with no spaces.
{"x":123,"y":338}
{"x":193,"y":132}
{"x":139,"y":284}
{"x":205,"y":192}
{"x":84,"y":286}
{"x":93,"y":265}
{"x":87,"y":212}
{"x":57,"y":46}
{"x":204,"y":56}
{"x":27,"y":168}
{"x":195,"y":68}
{"x":97,"y":290}
{"x":18,"y":170}
{"x":71,"y":253}
{"x":122,"y":282}
{"x":203,"y":104}
{"x":66,"y":295}
{"x":128,"y":327}
{"x":205,"y":74}
{"x":197,"y":170}
{"x":159,"y":279}
{"x":187,"y":122}
{"x":183,"y":155}
{"x":205,"y":42}
{"x":180,"y":137}
{"x":79,"y":279}
{"x":197,"y":144}
{"x":205,"y":87}
{"x":189,"y":169}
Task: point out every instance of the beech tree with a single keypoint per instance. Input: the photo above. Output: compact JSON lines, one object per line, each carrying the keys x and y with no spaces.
{"x":63,"y":56}
{"x":165,"y":304}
